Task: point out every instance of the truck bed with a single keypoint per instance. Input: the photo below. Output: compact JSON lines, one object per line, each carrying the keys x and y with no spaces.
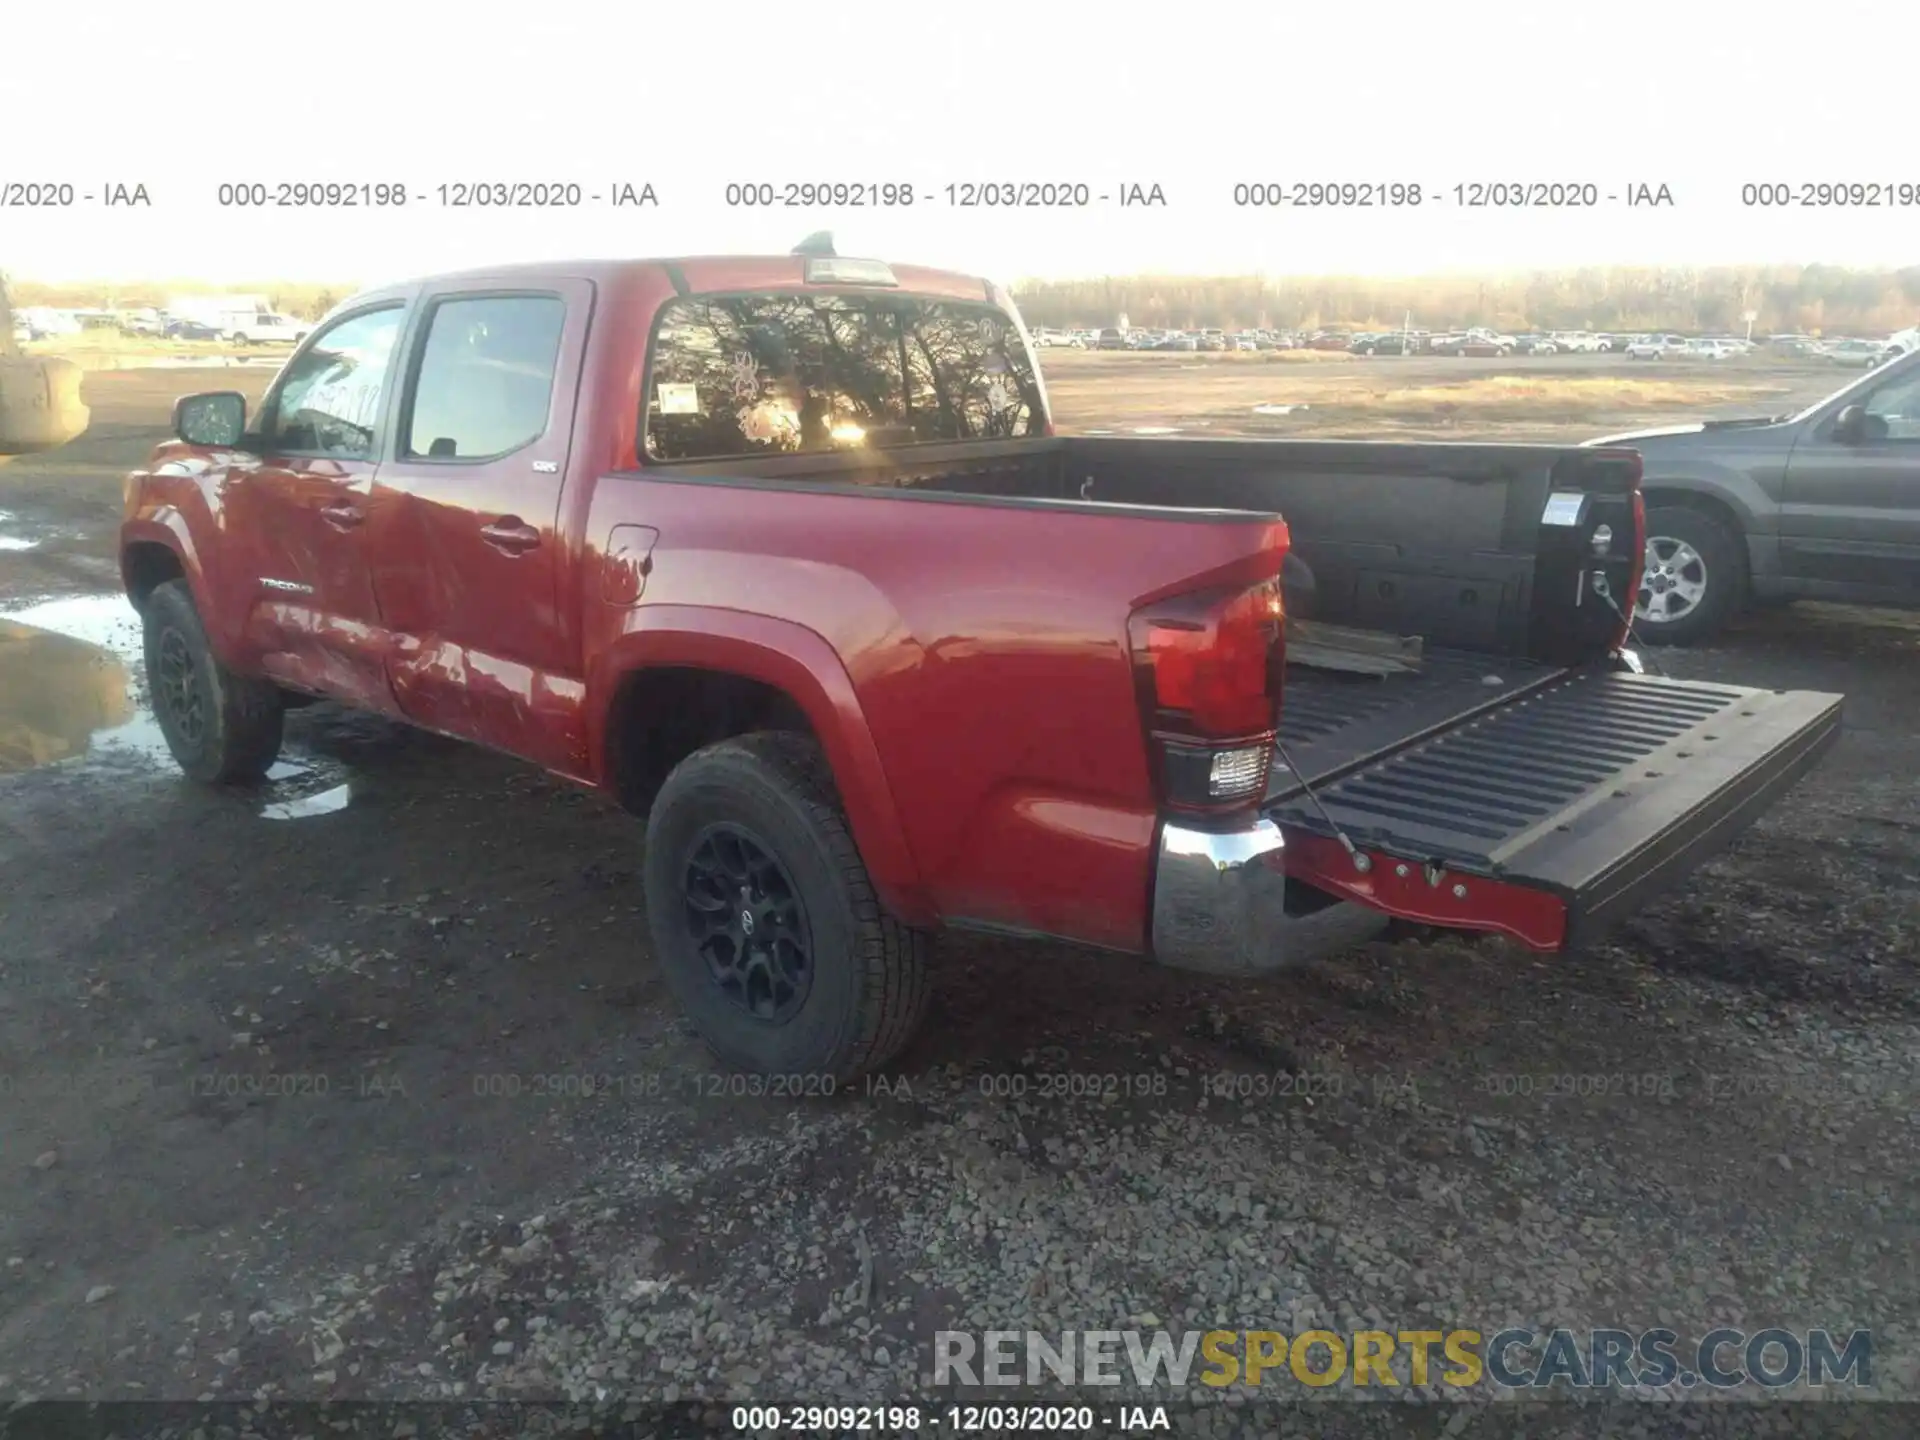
{"x":1447,"y":541}
{"x":1330,"y":721}
{"x":1515,"y":751}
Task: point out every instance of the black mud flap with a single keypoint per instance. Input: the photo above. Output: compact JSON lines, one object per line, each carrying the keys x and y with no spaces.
{"x":1600,"y":788}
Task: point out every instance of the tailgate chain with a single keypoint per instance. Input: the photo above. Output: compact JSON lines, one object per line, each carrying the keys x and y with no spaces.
{"x":1362,"y":863}
{"x":1605,"y":592}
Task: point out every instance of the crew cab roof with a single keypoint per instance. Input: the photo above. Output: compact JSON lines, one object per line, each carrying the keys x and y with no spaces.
{"x":691,"y":274}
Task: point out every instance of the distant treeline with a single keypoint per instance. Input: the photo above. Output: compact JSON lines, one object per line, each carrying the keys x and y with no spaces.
{"x":1812,"y":299}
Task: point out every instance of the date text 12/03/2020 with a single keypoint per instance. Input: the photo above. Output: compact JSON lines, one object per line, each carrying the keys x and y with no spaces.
{"x":955,"y":1419}
{"x":1066,"y":194}
{"x":550,"y":194}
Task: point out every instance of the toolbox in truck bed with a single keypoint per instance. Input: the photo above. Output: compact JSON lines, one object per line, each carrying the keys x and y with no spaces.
{"x":1594,"y":787}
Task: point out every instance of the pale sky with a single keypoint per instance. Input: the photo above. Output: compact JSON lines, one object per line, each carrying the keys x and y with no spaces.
{"x":1699,"y":95}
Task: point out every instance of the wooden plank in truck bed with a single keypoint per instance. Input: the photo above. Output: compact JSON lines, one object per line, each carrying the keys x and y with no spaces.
{"x":1319,"y":646}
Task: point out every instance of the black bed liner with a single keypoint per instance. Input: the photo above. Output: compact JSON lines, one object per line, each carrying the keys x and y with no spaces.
{"x":1329,"y":721}
{"x":1598,"y":785}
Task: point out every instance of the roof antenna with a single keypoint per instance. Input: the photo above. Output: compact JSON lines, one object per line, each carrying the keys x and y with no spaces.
{"x":818,"y":243}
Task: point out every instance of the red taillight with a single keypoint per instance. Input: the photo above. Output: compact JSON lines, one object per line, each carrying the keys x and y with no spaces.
{"x":1631,"y":600}
{"x":1210,"y":659}
{"x":1209,"y":670}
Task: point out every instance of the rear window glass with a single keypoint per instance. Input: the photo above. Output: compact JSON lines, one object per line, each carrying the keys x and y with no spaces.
{"x":782,"y":374}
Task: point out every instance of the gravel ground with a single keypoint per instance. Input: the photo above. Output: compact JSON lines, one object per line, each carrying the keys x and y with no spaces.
{"x":1706,"y":1121}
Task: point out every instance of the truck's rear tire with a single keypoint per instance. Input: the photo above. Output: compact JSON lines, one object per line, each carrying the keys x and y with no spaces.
{"x":764,"y":921}
{"x":222,"y":728}
{"x":1695,"y":579}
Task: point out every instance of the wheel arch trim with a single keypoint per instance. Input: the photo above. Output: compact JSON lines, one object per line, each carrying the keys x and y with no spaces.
{"x":166,"y":527}
{"x":801,"y":664}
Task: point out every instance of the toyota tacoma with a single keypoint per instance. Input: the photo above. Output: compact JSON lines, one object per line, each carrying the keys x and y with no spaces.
{"x":786,"y":555}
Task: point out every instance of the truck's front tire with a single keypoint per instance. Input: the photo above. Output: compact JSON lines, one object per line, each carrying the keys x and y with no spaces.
{"x":764,"y":921}
{"x":222,"y":728}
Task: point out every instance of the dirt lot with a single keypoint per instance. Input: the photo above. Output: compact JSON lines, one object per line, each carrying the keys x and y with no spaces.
{"x":1322,"y":393}
{"x":364,"y":1086}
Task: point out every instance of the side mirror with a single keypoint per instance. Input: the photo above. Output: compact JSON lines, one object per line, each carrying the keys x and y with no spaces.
{"x":1850,"y":425}
{"x":218,"y":418}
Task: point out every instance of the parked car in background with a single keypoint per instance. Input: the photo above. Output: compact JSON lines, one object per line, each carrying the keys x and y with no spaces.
{"x":1486,"y":343}
{"x":1392,"y":344}
{"x":1657,"y":347}
{"x":1063,"y":339}
{"x":1177,"y":342}
{"x":1902,"y":342}
{"x":46,"y":322}
{"x":1245,"y":342}
{"x":1820,"y":505}
{"x":1854,"y":354}
{"x":1111,"y":339}
{"x":190,"y":330}
{"x":1577,"y":342}
{"x":1532,"y":344}
{"x":266,"y":328}
{"x":1706,"y":350}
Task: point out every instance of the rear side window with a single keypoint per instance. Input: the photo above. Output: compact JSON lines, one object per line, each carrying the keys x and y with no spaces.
{"x":486,"y":377}
{"x":774,"y":374}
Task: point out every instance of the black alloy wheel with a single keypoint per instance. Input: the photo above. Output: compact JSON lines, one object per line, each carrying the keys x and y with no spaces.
{"x":748,"y":923}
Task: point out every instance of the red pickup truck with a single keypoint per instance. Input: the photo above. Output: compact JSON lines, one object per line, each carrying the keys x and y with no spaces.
{"x":786,"y":555}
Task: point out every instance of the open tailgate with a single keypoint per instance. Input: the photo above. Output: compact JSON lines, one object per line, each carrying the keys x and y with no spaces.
{"x":1555,"y":804}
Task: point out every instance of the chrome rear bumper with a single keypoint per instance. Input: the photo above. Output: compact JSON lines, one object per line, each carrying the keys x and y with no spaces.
{"x":1220,"y":906}
{"x":1219,"y":899}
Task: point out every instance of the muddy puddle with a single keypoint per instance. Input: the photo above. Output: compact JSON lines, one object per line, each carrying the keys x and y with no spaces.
{"x":72,"y":684}
{"x":12,"y":535}
{"x":73,"y":690}
{"x":303,"y":807}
